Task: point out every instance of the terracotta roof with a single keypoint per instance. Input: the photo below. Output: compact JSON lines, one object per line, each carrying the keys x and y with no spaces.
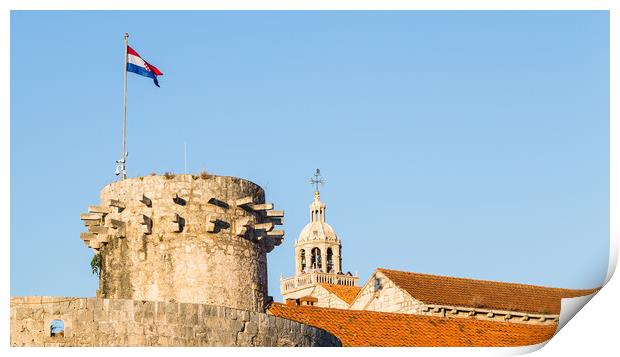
{"x":444,"y":290}
{"x":371,"y":328}
{"x":343,"y":292}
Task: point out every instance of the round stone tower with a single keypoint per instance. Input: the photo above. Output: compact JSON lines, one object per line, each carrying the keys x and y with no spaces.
{"x":199,"y":239}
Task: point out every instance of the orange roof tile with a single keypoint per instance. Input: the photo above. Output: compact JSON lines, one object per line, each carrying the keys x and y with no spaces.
{"x":444,"y":290}
{"x":371,"y":328}
{"x":343,"y":292}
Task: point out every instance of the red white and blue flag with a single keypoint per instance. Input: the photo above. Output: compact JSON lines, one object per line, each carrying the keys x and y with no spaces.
{"x":137,"y":65}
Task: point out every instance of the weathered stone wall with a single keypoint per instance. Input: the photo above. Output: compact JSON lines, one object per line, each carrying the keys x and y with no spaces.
{"x":381,"y":294}
{"x":328,"y":299}
{"x":183,"y":238}
{"x":112,"y":322}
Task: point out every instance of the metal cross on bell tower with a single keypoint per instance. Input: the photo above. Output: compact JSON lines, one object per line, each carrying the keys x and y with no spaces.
{"x":316,"y":180}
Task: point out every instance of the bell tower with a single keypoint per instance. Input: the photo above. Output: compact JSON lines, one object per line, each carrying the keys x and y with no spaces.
{"x":318,"y":256}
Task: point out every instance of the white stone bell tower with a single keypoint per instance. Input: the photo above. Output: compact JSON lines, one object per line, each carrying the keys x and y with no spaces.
{"x":318,"y":256}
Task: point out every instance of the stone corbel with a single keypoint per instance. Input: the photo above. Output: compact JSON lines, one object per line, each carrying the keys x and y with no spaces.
{"x":147,"y":201}
{"x":268,"y":226}
{"x":244,"y":202}
{"x":87,"y":236}
{"x":210,"y":223}
{"x":179,"y":200}
{"x":177,"y":223}
{"x":241,"y":226}
{"x":98,"y":229}
{"x":91,"y":216}
{"x":120,"y":206}
{"x":277,"y":214}
{"x":99,"y":209}
{"x":275,"y":233}
{"x":146,"y":224}
{"x":261,"y":206}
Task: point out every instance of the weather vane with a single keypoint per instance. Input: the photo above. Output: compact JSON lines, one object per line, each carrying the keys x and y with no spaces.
{"x":317,"y":180}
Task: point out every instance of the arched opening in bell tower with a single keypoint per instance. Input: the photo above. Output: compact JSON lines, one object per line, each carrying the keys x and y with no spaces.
{"x":316,"y":259}
{"x":330,"y":261}
{"x":302,"y":260}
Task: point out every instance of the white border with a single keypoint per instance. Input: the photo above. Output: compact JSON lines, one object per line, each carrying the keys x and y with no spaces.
{"x":598,"y":320}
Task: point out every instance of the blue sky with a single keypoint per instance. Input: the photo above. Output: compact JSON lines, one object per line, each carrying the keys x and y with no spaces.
{"x":471,"y":144}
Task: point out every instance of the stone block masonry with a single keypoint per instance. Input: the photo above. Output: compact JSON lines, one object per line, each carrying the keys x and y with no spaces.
{"x":120,"y":322}
{"x":183,"y":238}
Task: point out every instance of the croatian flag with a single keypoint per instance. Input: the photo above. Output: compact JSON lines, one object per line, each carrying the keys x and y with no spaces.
{"x":136,"y":64}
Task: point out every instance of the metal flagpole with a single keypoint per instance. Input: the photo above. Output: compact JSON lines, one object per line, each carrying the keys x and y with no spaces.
{"x":123,"y":159}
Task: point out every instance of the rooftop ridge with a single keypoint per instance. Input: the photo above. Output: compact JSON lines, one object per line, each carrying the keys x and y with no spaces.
{"x":591,"y":290}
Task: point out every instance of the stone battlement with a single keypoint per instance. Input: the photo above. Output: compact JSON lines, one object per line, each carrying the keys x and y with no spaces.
{"x":186,"y":238}
{"x":118,"y":322}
